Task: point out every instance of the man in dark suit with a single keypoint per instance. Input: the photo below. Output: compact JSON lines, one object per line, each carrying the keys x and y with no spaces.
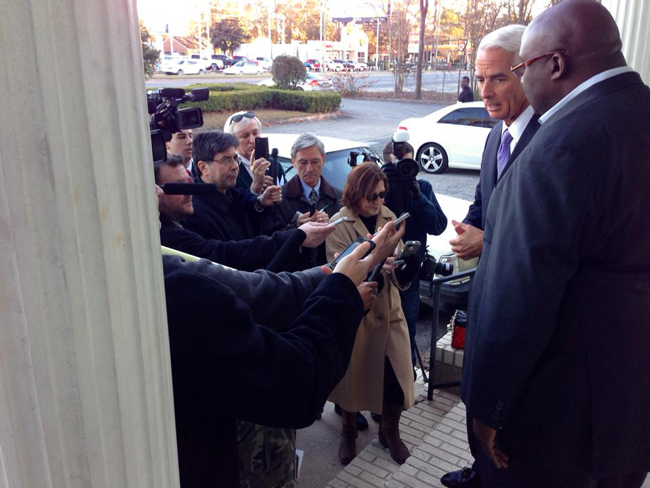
{"x":557,"y":371}
{"x":306,"y":190}
{"x":505,"y":100}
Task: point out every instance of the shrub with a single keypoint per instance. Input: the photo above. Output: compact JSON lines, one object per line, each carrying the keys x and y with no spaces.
{"x":349,"y":84}
{"x":233,"y":98}
{"x":288,"y":71}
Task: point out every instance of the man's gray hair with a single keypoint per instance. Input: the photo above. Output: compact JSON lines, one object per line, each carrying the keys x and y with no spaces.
{"x":305,"y":141}
{"x":229,"y":126}
{"x":507,"y":38}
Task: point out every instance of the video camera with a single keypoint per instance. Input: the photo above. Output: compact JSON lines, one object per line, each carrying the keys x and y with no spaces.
{"x":167,"y":118}
{"x":361,"y":156}
{"x":407,"y":169}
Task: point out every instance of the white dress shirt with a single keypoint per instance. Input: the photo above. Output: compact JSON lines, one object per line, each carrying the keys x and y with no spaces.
{"x":610,"y":73}
{"x":518,"y":126}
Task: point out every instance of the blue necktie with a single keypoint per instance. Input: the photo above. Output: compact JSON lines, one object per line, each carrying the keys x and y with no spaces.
{"x":503,"y":155}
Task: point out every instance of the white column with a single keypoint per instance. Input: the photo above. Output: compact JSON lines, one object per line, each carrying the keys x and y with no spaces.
{"x":85,"y":384}
{"x":633,"y":19}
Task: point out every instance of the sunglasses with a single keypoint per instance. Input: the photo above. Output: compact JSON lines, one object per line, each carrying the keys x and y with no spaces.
{"x":375,"y":196}
{"x":238,"y":117}
{"x":520,"y":69}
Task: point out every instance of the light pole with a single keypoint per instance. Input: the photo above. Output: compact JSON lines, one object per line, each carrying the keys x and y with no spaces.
{"x":377,"y":42}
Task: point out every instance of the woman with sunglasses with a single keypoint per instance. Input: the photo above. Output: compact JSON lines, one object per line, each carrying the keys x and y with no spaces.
{"x":380,"y":375}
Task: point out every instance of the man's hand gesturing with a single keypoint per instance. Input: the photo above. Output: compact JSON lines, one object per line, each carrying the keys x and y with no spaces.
{"x":469,"y":242}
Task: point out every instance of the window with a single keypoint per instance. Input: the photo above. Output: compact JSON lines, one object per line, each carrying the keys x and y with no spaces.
{"x":474,"y":117}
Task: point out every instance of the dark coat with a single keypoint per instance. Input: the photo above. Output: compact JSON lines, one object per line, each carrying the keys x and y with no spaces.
{"x":227,"y":217}
{"x":557,"y":350}
{"x":247,"y":255}
{"x":224,"y":366}
{"x":466,"y":95}
{"x":488,"y":179}
{"x":283,"y":216}
{"x":426,"y":217}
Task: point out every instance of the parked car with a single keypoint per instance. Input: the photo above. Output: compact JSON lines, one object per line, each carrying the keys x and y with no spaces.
{"x":453,"y":137}
{"x":313,"y":82}
{"x":225,"y":60}
{"x":355,"y":65}
{"x":344,"y":65}
{"x":185,"y":67}
{"x":244,"y":68}
{"x":265,"y":63}
{"x":216,"y":65}
{"x":236,"y":59}
{"x":337,"y":153}
{"x":312,"y":65}
{"x":333,"y":66}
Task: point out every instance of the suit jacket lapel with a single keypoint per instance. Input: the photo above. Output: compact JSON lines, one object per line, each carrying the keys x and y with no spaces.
{"x":491,"y":150}
{"x":529,"y":132}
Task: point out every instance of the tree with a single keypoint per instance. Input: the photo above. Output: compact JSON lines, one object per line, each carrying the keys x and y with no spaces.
{"x":520,"y":11}
{"x":482,"y":17}
{"x":150,"y":56}
{"x":227,"y":35}
{"x":400,"y":28}
{"x":288,"y":71}
{"x":424,"y":8}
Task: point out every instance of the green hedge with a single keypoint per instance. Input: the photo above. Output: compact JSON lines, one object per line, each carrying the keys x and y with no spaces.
{"x":236,"y":97}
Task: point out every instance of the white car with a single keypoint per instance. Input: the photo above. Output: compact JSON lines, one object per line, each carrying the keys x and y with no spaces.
{"x":452,"y":137}
{"x":337,"y":154}
{"x":244,"y":68}
{"x":332,"y":66}
{"x":313,"y":82}
{"x":265,"y":63}
{"x":184,"y":67}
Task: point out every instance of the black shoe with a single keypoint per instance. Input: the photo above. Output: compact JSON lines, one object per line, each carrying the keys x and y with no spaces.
{"x":463,"y":478}
{"x":362,"y":423}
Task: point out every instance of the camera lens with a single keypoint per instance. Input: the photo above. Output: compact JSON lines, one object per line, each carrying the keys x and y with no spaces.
{"x":407,"y":169}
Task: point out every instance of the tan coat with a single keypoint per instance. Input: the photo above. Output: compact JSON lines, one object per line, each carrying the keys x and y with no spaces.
{"x":382,"y":333}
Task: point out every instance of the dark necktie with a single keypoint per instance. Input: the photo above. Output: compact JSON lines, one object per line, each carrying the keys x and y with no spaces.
{"x":503,"y":155}
{"x":313,"y":198}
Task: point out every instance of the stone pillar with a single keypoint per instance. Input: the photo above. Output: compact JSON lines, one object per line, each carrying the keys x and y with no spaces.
{"x":85,"y":383}
{"x":633,"y":19}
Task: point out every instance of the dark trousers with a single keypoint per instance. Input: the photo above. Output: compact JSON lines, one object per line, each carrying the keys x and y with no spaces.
{"x":411,"y":307}
{"x":393,"y":394}
{"x":529,"y":475}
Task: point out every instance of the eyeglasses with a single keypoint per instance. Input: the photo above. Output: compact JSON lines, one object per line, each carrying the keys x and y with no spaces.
{"x":375,"y":196}
{"x":520,"y":69}
{"x":227,"y":160}
{"x":238,"y":117}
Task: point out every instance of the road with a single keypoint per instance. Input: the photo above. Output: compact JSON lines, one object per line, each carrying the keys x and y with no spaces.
{"x":441,"y":81}
{"x":373,"y":122}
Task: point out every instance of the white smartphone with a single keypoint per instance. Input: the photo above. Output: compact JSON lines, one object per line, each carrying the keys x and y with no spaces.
{"x":400,"y":219}
{"x":339,"y":221}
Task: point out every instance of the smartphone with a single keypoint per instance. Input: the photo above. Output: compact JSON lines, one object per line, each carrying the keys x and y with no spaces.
{"x":410,"y":249}
{"x":340,"y":221}
{"x":261,"y":147}
{"x":351,"y":248}
{"x":401,"y":218}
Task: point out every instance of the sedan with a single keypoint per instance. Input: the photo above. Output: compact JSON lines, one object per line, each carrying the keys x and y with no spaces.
{"x":332,"y":66}
{"x":313,"y":82}
{"x":244,"y":68}
{"x":184,"y":67}
{"x":452,"y":137}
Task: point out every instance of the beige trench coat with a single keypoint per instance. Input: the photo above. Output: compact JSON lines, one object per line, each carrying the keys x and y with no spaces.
{"x":383,"y":332}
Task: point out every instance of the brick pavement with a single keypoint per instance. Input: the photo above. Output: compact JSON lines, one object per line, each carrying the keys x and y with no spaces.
{"x":433,"y":431}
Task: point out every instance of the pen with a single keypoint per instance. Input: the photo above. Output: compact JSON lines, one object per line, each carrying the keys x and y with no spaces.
{"x":324,"y":208}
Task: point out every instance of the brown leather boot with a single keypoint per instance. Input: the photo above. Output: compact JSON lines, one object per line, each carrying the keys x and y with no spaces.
{"x":389,"y":433}
{"x":349,"y":432}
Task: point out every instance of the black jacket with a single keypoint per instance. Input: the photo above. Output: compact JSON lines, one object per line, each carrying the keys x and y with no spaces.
{"x":224,"y":366}
{"x":556,"y":353}
{"x":247,"y":255}
{"x":227,"y":217}
{"x":488,"y":178}
{"x":283,"y":216}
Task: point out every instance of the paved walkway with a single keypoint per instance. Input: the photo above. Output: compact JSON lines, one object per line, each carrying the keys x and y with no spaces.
{"x":434,"y":433}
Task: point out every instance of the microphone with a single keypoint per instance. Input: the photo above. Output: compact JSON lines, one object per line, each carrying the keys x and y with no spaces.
{"x":188,"y":188}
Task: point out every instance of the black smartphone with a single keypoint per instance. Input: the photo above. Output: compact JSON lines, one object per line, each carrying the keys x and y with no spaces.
{"x":261,"y":147}
{"x":351,"y":248}
{"x":410,"y":249}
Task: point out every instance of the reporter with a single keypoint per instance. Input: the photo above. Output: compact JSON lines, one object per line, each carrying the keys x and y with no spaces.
{"x":220,"y":356}
{"x":380,"y":376}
